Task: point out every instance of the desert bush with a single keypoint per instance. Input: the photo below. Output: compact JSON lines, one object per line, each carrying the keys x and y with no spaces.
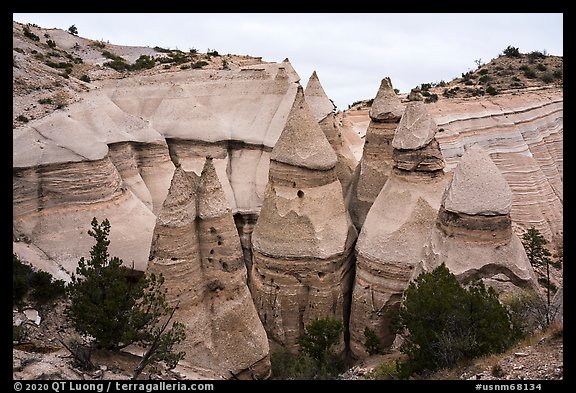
{"x":541,"y":67}
{"x":511,"y":51}
{"x":529,"y":73}
{"x":547,"y":77}
{"x":484,"y":79}
{"x":19,"y":333}
{"x":491,"y":90}
{"x":22,"y":118}
{"x":51,"y":44}
{"x":85,"y":78}
{"x":73,"y":30}
{"x":40,"y":286}
{"x":212,"y":52}
{"x":161,"y":50}
{"x":384,"y":371}
{"x":372,"y":344}
{"x":533,"y":56}
{"x":45,"y":101}
{"x":557,"y":73}
{"x":527,"y":312}
{"x":431,"y":98}
{"x":28,"y":33}
{"x":60,"y":99}
{"x":289,"y":366}
{"x":118,"y":65}
{"x":143,"y":62}
{"x":442,"y":322}
{"x":483,"y":71}
{"x":199,"y":64}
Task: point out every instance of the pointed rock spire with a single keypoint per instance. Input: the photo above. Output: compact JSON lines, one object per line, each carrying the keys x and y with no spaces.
{"x":386,"y":106}
{"x":477,"y":186}
{"x":416,"y":128}
{"x":179,"y":207}
{"x":302,"y":142}
{"x":318,"y":101}
{"x":212,"y":201}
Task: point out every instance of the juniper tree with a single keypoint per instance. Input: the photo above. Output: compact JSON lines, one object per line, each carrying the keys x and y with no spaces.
{"x":113,"y":308}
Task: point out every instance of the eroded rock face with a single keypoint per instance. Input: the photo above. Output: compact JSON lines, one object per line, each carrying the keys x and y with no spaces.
{"x":302,"y":241}
{"x":323,"y":110}
{"x":197,"y":249}
{"x":523,"y":133}
{"x":397,"y":226}
{"x":473,"y":232}
{"x":112,"y":155}
{"x":374,"y":168}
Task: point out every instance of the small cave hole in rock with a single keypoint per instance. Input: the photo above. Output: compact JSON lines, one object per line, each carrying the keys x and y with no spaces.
{"x":320,"y":274}
{"x":300,"y":194}
{"x":212,"y":230}
{"x":225,"y":266}
{"x":211,"y":252}
{"x":174,"y":259}
{"x":219,"y":242}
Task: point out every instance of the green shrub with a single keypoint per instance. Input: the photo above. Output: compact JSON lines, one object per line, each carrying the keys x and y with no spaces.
{"x":51,"y":44}
{"x":212,"y":52}
{"x":557,"y":73}
{"x":22,"y":118}
{"x":483,"y":71}
{"x":289,"y":366}
{"x":511,"y":51}
{"x":530,"y":74}
{"x":143,"y":62}
{"x":21,"y":275}
{"x":45,"y":289}
{"x":85,"y":78}
{"x":547,"y":78}
{"x":321,"y":334}
{"x":484,"y":79}
{"x":448,"y":323}
{"x":45,"y":101}
{"x":431,"y":98}
{"x":524,"y":67}
{"x":491,"y":90}
{"x":199,"y":64}
{"x":118,"y":65}
{"x":541,"y":67}
{"x":41,"y":286}
{"x":161,"y":50}
{"x":19,"y":333}
{"x":372,"y":344}
{"x":73,"y":30}
{"x":29,"y":34}
{"x":527,"y":312}
{"x":384,"y":371}
{"x":468,"y":83}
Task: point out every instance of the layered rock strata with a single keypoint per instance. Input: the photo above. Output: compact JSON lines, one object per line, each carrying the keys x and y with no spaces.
{"x":473,"y":234}
{"x":397,"y":226}
{"x":323,"y":110}
{"x":302,"y":241}
{"x":523,"y":133}
{"x":197,"y":249}
{"x":374,"y":168}
{"x":112,"y":155}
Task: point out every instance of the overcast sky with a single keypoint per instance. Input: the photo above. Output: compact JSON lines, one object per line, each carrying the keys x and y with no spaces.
{"x":350,"y":52}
